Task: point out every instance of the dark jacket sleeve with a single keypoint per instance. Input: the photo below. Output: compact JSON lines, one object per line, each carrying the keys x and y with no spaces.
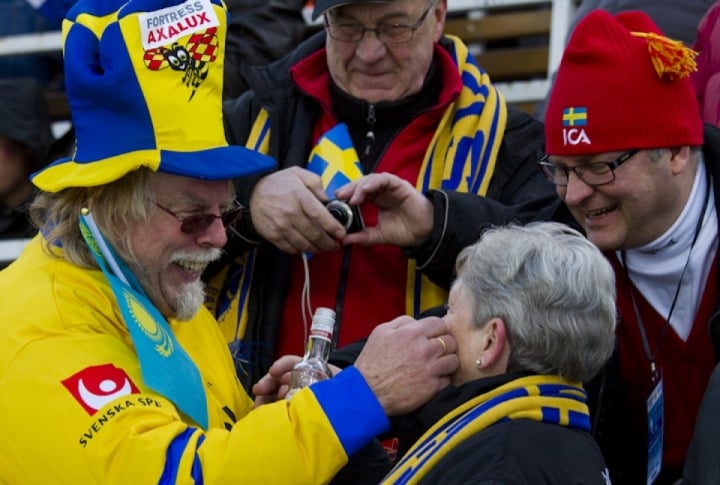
{"x":518,"y":193}
{"x":291,"y":117}
{"x":239,"y":115}
{"x":517,"y":177}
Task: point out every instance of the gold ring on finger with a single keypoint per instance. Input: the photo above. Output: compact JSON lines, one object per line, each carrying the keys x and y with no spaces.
{"x":442,"y":344}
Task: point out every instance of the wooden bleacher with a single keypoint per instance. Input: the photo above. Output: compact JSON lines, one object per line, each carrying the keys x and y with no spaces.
{"x":518,"y":42}
{"x":521,"y":39}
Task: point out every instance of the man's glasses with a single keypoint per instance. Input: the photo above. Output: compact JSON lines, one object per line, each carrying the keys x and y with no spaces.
{"x":386,"y":33}
{"x":196,"y":223}
{"x":597,"y":173}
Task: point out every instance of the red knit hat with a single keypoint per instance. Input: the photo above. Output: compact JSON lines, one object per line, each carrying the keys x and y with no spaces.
{"x":621,"y":85}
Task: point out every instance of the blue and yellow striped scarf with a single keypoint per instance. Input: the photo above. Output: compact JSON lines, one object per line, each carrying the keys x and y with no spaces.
{"x":460,"y":157}
{"x":549,"y":399}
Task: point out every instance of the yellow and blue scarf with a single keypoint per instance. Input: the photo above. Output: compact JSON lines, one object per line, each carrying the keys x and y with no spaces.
{"x":461,"y":156}
{"x":549,"y":399}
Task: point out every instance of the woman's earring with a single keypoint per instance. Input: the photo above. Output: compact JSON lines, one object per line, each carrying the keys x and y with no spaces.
{"x":479,"y":362}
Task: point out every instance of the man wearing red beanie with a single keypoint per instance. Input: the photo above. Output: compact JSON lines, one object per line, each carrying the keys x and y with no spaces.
{"x":626,"y":149}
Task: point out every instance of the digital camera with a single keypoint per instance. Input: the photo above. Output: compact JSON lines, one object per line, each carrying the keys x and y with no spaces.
{"x":347,"y":215}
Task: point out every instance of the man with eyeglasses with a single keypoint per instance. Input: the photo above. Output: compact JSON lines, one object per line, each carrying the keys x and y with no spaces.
{"x":639,"y":173}
{"x":416,"y":105}
{"x":112,"y":370}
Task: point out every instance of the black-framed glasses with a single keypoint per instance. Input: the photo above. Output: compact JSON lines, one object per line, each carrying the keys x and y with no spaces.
{"x":196,"y":223}
{"x":386,"y":33}
{"x":596,"y":173}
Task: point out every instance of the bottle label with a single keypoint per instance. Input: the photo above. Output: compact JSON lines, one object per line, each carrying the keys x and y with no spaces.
{"x":321,"y":333}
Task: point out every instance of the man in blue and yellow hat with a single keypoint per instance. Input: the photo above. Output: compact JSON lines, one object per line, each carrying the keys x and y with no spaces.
{"x":110,"y":360}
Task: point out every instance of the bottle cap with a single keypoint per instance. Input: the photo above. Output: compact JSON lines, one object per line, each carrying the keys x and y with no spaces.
{"x":323,"y":322}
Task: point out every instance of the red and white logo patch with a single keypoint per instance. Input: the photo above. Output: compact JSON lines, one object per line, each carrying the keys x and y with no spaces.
{"x":94,"y":387}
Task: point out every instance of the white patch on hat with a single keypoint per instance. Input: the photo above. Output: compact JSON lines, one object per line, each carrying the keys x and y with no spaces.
{"x":163,"y":27}
{"x":575,"y":136}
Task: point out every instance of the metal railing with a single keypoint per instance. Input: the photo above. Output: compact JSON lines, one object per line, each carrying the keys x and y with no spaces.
{"x":10,"y":249}
{"x":30,"y":43}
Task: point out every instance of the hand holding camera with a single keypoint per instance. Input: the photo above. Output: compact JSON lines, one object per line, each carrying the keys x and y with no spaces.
{"x":347,"y":215}
{"x":405,"y":215}
{"x":287,"y":210}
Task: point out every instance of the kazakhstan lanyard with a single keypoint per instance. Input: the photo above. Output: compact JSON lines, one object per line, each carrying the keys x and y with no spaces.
{"x":165,"y":366}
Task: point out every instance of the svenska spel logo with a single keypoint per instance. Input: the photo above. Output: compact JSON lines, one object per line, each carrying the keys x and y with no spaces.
{"x":96,"y":386}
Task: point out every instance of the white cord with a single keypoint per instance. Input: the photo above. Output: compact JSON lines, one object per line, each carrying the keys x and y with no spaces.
{"x":305,"y":298}
{"x":100,"y":240}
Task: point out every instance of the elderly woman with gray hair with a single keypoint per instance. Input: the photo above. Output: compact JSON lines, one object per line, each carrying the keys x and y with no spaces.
{"x":533,"y":314}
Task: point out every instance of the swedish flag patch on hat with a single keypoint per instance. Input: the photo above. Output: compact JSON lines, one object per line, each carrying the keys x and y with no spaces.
{"x":144,"y":83}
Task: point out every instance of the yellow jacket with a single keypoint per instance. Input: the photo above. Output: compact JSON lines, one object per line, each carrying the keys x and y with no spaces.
{"x":74,"y":408}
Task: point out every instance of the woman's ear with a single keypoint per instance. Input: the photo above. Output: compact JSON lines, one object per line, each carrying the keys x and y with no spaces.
{"x":494,"y":351}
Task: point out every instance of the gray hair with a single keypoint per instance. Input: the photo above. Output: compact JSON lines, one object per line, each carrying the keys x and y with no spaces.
{"x":554,"y":290}
{"x":696,"y":154}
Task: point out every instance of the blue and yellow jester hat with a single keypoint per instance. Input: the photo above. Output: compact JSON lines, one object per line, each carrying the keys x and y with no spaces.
{"x":144,"y":83}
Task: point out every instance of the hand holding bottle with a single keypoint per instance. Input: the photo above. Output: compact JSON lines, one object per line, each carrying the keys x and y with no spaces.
{"x":290,"y":373}
{"x":314,"y":366}
{"x":273,"y":386}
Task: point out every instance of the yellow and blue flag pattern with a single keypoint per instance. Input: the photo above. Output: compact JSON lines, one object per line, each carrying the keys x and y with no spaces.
{"x":335,"y":159}
{"x":575,"y":116}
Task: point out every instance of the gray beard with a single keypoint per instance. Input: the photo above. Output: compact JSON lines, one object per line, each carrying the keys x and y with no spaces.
{"x":189,"y":303}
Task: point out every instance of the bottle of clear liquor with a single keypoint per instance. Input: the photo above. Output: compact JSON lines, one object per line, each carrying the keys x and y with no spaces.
{"x":313,"y":367}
